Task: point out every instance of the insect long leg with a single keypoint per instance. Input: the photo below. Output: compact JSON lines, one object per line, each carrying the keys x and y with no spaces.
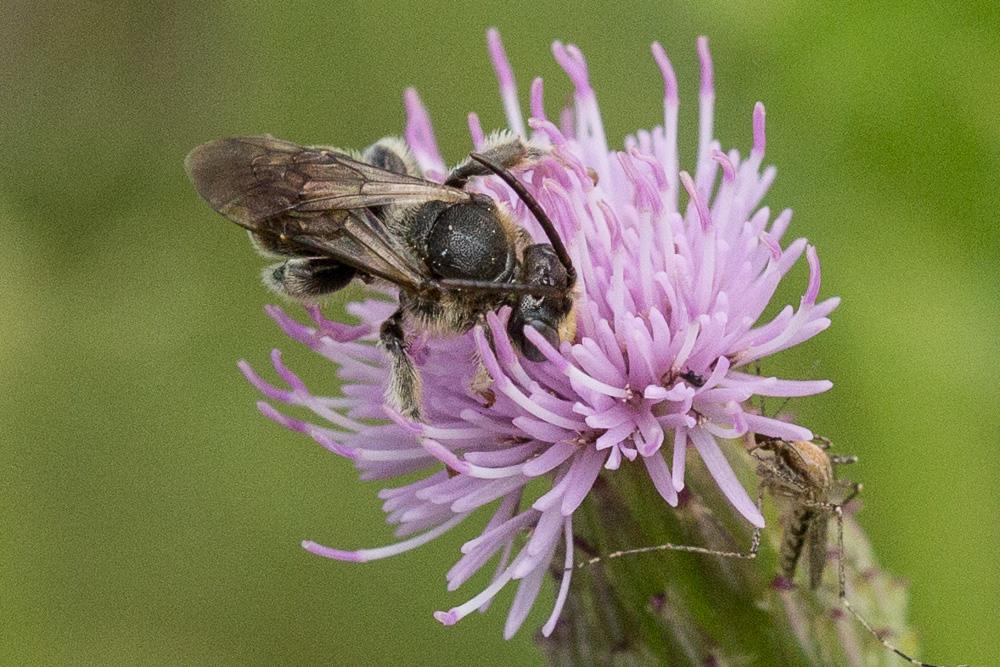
{"x":751,"y":554}
{"x":403,"y":391}
{"x":837,"y":511}
{"x":855,"y":488}
{"x":507,"y":151}
{"x":688,"y":548}
{"x":838,"y":514}
{"x":761,"y":398}
{"x":781,"y":406}
{"x":822,"y":442}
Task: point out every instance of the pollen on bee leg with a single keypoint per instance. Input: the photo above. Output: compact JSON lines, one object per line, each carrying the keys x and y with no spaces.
{"x":481,"y":385}
{"x":567,"y":327}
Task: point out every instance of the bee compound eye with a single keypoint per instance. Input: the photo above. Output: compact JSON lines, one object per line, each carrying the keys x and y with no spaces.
{"x":548,"y":333}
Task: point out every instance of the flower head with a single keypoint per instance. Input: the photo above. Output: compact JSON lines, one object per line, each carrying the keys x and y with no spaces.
{"x":669,"y":302}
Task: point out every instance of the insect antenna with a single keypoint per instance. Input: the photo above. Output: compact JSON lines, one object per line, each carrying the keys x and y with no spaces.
{"x":536,"y":210}
{"x":498,"y":288}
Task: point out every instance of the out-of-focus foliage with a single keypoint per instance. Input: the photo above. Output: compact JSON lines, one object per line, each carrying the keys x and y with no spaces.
{"x":149,"y":515}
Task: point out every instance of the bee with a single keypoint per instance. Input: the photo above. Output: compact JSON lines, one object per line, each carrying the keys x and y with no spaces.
{"x":332,"y":216}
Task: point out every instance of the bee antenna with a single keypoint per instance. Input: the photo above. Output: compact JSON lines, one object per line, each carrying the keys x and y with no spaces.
{"x":536,"y":210}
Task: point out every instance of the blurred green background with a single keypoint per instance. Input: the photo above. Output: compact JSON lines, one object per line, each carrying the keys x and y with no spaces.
{"x":149,"y":514}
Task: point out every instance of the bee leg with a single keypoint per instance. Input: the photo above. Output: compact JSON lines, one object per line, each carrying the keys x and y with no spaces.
{"x":308,"y":279}
{"x":504,"y":149}
{"x":482,"y":385}
{"x":403,"y":391}
{"x":392,"y":154}
{"x":482,"y":382}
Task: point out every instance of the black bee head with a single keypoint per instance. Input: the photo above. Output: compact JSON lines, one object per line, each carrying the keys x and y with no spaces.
{"x":540,"y":266}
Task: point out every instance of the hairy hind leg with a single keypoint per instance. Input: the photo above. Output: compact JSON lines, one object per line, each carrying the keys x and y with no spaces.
{"x":392,"y":154}
{"x":403,"y":391}
{"x":308,"y":279}
{"x":505,"y":149}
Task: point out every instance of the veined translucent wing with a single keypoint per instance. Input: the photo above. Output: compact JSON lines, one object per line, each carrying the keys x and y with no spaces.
{"x":303,"y":201}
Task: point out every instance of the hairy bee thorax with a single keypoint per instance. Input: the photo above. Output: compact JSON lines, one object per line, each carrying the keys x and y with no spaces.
{"x":467,"y":241}
{"x":449,"y":313}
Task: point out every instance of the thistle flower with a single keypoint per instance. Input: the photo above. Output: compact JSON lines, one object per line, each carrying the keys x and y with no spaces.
{"x":675,"y":270}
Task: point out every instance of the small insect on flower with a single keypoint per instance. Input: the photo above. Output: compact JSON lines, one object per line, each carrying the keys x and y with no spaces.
{"x":455,"y":255}
{"x":802,"y":472}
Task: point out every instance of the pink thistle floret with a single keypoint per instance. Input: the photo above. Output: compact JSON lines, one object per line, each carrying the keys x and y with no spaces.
{"x":669,"y":305}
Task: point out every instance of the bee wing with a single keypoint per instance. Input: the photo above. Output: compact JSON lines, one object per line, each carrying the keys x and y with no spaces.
{"x":817,"y":537}
{"x":253,"y":179}
{"x":303,"y":201}
{"x":358,"y":239}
